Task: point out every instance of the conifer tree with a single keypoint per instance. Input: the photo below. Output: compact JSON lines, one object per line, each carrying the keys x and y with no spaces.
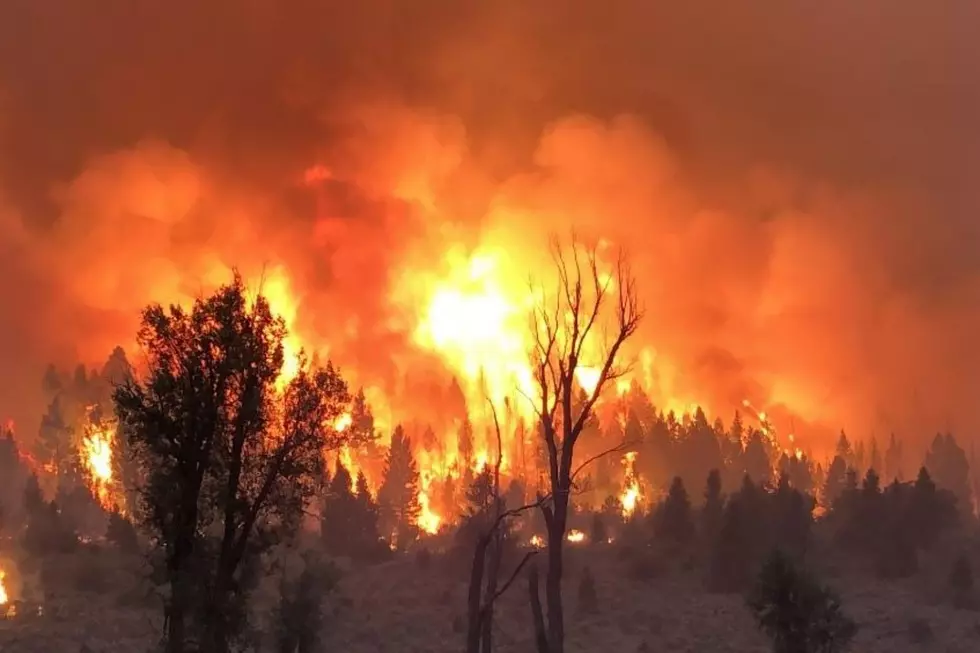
{"x":399,"y":494}
{"x":674,"y":521}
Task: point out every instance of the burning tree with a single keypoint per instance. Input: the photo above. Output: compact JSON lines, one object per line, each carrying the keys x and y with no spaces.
{"x":572,"y":349}
{"x":230,"y":455}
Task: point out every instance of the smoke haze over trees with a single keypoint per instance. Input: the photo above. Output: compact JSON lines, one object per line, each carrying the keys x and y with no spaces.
{"x":793,"y":178}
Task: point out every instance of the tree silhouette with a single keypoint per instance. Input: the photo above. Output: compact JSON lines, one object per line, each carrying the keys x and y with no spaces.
{"x":674,"y":521}
{"x":797,"y":613}
{"x":565,"y":322}
{"x":713,"y":510}
{"x":230,"y":460}
{"x":349,"y":518}
{"x":398,"y":497}
{"x":948,"y":465}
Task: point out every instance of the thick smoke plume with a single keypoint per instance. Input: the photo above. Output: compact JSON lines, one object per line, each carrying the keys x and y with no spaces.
{"x":792,"y":180}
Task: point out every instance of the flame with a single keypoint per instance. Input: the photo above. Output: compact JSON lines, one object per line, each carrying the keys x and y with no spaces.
{"x":96,"y":450}
{"x":4,"y":597}
{"x":537,"y":541}
{"x":575,"y":536}
{"x":631,"y":492}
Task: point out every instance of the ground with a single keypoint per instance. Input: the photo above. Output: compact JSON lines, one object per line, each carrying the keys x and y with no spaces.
{"x":414,"y":604}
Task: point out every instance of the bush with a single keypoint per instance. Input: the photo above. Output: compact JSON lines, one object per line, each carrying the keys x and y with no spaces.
{"x":796,"y":612}
{"x":300,"y":613}
{"x":121,"y":532}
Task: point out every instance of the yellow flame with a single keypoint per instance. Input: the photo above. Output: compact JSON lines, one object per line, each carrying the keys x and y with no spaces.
{"x":631,"y":493}
{"x":537,"y":541}
{"x":343,"y":422}
{"x":588,"y":377}
{"x":575,"y":536}
{"x":428,"y":520}
{"x":97,"y":457}
{"x":4,"y":598}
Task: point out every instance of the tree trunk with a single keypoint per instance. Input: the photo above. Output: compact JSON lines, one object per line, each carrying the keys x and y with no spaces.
{"x":556,"y":614}
{"x":473,"y":599}
{"x":493,"y":571}
{"x":537,"y":616}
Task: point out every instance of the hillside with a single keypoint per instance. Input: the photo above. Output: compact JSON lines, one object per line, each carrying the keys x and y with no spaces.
{"x":410,"y":604}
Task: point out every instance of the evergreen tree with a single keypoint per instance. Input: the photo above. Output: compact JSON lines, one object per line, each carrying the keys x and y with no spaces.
{"x":875,"y":461}
{"x":834,"y":483}
{"x":399,"y":494}
{"x":948,"y":465}
{"x":713,"y":510}
{"x":756,"y":459}
{"x":796,"y":612}
{"x":674,"y":521}
{"x":844,"y":450}
{"x":893,"y":459}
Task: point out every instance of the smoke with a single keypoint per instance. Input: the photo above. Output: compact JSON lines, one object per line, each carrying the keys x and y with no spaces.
{"x":791,"y":179}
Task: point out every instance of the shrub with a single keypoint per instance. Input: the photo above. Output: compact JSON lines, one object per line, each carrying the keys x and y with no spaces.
{"x":796,"y":612}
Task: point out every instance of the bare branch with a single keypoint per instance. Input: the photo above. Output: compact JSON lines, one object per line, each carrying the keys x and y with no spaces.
{"x":517,"y":570}
{"x":622,"y":446}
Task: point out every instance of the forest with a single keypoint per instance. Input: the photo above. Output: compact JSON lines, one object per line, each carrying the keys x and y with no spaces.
{"x":215,"y":476}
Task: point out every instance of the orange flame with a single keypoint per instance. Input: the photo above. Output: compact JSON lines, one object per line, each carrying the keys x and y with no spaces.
{"x":96,"y":449}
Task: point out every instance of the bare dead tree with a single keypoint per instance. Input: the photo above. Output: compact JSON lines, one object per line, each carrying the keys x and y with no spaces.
{"x":484,"y":587}
{"x":587,"y":309}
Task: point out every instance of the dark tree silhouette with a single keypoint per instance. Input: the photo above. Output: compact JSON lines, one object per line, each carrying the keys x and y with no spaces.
{"x":565,"y":322}
{"x":225,"y":451}
{"x":893,"y":460}
{"x":713,"y":509}
{"x":674,"y":521}
{"x":948,"y":465}
{"x":834,"y":482}
{"x":398,"y":497}
{"x":797,"y":613}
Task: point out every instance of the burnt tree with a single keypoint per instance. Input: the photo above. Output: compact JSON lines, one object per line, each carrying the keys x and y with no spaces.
{"x":580,"y":326}
{"x":492,"y":524}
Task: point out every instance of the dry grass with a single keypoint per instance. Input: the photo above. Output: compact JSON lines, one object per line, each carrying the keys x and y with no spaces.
{"x":398,"y":607}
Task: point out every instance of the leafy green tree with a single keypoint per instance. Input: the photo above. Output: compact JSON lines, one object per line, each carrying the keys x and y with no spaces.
{"x":231,"y":458}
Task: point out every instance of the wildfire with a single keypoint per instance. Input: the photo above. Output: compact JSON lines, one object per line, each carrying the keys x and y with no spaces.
{"x":575,"y":536}
{"x":631,"y":492}
{"x":96,"y":450}
{"x":4,"y":597}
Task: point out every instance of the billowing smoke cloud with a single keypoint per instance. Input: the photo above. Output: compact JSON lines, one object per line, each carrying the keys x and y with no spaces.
{"x":792,"y":179}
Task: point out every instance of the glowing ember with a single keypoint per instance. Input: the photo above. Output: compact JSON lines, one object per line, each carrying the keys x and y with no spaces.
{"x":631,"y":493}
{"x":575,"y":536}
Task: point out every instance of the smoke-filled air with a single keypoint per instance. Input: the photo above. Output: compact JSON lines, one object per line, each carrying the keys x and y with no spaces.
{"x":468,"y":233}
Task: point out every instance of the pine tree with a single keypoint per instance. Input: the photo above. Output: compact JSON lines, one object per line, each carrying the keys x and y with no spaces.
{"x":875,"y":461}
{"x":399,"y":494}
{"x":798,"y":614}
{"x":714,"y":506}
{"x":834,"y":483}
{"x":893,"y":459}
{"x":674,"y":521}
{"x":844,"y":450}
